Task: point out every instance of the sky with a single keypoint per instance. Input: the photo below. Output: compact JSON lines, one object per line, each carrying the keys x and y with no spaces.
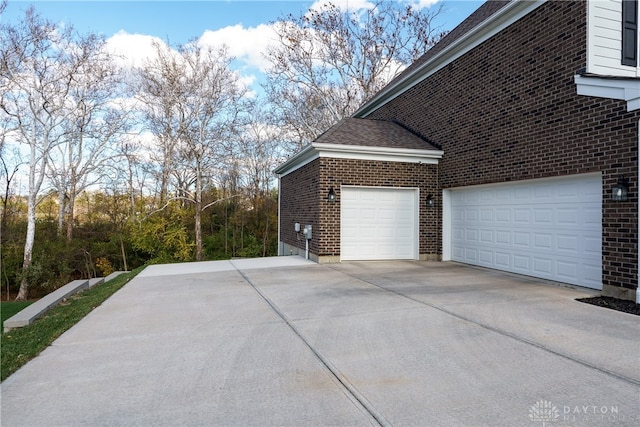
{"x":243,"y":25}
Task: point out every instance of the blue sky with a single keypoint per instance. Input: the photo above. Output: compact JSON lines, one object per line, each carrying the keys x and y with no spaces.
{"x":179,"y":21}
{"x":243,"y":25}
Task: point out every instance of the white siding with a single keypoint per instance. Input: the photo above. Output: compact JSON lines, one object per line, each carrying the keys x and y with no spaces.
{"x":604,"y":39}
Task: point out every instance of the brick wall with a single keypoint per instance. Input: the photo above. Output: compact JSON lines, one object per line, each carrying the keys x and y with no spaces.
{"x":508,"y":110}
{"x":304,"y":192}
{"x":299,"y":202}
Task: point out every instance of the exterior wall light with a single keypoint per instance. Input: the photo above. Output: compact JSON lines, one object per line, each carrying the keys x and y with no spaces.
{"x":331,"y":197}
{"x":620,"y":191}
{"x":430,"y":201}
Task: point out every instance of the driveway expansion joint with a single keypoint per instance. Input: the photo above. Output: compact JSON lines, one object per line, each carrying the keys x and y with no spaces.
{"x":349,"y":389}
{"x":502,"y":332}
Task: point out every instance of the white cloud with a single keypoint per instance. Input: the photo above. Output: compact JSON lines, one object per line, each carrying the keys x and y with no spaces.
{"x":343,"y":5}
{"x":422,"y":4}
{"x":133,"y":49}
{"x":247,"y":45}
{"x":355,"y":5}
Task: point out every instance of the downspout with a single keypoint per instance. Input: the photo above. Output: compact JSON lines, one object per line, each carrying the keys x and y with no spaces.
{"x":638,"y":220}
{"x":280,"y":246}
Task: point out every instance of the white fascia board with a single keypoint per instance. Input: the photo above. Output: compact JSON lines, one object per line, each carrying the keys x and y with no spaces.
{"x":354,"y":152}
{"x":389,"y":154}
{"x":497,"y":22}
{"x":603,"y":87}
{"x":306,"y":156}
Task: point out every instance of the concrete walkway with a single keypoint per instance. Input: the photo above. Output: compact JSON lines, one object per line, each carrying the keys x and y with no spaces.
{"x":283,"y":341}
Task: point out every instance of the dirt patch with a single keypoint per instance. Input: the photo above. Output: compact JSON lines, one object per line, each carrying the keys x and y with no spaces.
{"x":614,"y":304}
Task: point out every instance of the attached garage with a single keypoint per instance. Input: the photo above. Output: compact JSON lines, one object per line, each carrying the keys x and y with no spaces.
{"x":379,"y":223}
{"x":550,"y":228}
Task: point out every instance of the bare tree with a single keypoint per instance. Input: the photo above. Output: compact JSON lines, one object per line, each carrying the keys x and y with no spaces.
{"x":34,"y":84}
{"x":258,"y":150}
{"x":159,"y":93}
{"x":192,"y":99}
{"x":329,"y":61}
{"x":95,"y":126}
{"x":9,"y":166}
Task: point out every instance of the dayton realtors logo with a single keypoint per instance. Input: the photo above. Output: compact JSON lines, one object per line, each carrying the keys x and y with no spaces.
{"x":544,"y":411}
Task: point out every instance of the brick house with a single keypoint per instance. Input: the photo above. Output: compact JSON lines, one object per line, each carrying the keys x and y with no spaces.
{"x":508,"y":145}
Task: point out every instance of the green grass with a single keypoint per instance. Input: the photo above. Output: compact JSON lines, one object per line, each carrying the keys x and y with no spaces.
{"x":20,"y":345}
{"x":9,"y":308}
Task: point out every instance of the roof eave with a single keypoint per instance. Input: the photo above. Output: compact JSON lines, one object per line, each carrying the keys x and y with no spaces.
{"x":316,"y":150}
{"x":303,"y":157}
{"x":391,"y":151}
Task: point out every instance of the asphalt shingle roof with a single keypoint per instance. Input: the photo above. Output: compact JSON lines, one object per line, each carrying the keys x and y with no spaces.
{"x":373,"y":133}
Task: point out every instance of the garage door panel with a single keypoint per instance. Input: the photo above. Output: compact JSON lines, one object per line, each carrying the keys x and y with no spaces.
{"x":542,"y":266}
{"x":503,"y":215}
{"x":542,"y":241}
{"x":568,"y":243}
{"x":567,"y":269}
{"x":521,"y":263}
{"x":503,"y":237}
{"x":522,"y":216}
{"x":486,"y":215}
{"x":592,"y":216}
{"x":549,"y":229}
{"x":471,"y":254}
{"x":486,"y":236}
{"x":381,"y":223}
{"x":486,"y":257}
{"x":521,"y":238}
{"x":503,"y":259}
{"x":472,"y":215}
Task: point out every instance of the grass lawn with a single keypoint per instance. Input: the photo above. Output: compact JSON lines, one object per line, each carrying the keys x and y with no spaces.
{"x":9,"y":308}
{"x":20,"y":345}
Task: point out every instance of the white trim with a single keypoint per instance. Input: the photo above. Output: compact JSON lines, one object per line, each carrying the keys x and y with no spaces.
{"x":497,"y":22}
{"x":307,"y":155}
{"x":446,"y":225}
{"x":356,"y":152}
{"x":603,"y":87}
{"x":280,"y":245}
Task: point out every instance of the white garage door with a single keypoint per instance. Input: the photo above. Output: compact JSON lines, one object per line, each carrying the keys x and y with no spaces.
{"x":378,"y":223}
{"x":550,"y":229}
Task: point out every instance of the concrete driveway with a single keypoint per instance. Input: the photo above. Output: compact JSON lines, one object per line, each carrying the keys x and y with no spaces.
{"x":283,"y":341}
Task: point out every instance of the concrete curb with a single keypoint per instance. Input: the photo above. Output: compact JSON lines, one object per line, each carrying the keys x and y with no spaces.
{"x":35,"y":310}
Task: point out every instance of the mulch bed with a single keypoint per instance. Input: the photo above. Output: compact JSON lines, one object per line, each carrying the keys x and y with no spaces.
{"x":614,"y":304}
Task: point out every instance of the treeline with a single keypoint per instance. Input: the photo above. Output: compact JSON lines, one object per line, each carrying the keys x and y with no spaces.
{"x":109,"y":237}
{"x":108,"y":163}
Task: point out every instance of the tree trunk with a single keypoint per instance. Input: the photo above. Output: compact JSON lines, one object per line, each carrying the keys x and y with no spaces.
{"x":23,"y":293}
{"x":266,"y":233}
{"x":124,"y":255}
{"x":70,"y":208}
{"x":61,"y":207}
{"x":198,"y":217}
